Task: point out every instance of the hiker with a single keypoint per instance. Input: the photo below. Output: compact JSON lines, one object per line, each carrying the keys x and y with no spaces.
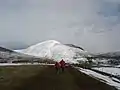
{"x":57,"y":67}
{"x":62,"y":64}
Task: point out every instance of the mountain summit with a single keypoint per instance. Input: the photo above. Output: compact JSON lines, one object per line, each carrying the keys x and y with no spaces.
{"x":55,"y":50}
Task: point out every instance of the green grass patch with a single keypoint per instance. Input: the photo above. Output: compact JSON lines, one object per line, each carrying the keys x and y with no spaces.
{"x":13,"y":76}
{"x":45,"y":78}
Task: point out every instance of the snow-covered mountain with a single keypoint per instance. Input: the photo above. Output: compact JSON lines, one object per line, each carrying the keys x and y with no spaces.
{"x":55,"y":50}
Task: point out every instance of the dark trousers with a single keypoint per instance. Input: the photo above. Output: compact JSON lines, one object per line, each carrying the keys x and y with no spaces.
{"x":57,"y":70}
{"x":62,"y":69}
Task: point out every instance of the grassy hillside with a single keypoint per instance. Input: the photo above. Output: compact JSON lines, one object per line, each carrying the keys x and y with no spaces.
{"x":45,"y":78}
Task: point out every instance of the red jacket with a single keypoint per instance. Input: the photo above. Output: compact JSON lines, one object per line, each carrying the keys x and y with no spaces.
{"x":57,"y":65}
{"x":62,"y":63}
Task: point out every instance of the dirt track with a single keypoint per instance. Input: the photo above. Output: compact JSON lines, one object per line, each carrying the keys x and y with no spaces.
{"x":71,"y":79}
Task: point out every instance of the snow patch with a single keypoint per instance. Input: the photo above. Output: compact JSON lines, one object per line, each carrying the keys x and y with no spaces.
{"x":110,"y":70}
{"x":102,"y":78}
{"x":20,"y":64}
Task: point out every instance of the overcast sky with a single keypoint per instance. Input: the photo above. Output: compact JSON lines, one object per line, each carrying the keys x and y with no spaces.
{"x":92,"y":24}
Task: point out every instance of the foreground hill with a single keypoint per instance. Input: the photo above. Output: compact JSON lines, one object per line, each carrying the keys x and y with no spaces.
{"x":45,"y":78}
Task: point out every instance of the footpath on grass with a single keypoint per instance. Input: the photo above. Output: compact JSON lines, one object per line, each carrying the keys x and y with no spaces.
{"x":71,"y":79}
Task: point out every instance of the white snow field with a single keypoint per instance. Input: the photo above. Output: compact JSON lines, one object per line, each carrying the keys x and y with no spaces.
{"x":19,"y":64}
{"x":54,"y":50}
{"x":102,"y":78}
{"x":110,"y":70}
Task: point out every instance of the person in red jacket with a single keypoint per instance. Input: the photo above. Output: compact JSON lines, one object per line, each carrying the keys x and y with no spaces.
{"x":62,"y":64}
{"x":57,"y":66}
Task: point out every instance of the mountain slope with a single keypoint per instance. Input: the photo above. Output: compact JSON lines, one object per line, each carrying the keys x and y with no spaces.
{"x":111,"y":54}
{"x":72,"y":45}
{"x":7,"y":55}
{"x":5,"y":50}
{"x":54,"y":50}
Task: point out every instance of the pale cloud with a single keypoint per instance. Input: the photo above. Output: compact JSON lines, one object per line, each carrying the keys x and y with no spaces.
{"x":92,"y":24}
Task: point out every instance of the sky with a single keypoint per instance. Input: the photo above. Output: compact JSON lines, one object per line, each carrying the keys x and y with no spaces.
{"x":91,"y":24}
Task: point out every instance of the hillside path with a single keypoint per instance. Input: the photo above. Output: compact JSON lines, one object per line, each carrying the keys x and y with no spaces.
{"x":71,"y":79}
